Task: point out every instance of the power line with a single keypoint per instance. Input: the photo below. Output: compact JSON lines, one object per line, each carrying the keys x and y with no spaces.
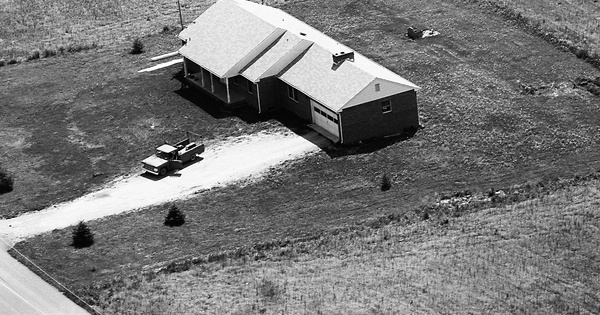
{"x":49,"y":276}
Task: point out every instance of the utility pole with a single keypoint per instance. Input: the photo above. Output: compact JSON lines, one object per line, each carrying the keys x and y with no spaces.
{"x":180,"y":16}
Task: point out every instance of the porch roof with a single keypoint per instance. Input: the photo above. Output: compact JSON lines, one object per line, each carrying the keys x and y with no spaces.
{"x":274,"y":53}
{"x":222,"y":36}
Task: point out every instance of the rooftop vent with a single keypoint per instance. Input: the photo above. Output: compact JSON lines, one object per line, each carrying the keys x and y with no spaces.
{"x":341,"y":56}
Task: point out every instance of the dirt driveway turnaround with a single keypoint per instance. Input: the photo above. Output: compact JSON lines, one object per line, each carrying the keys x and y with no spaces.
{"x":223,"y":162}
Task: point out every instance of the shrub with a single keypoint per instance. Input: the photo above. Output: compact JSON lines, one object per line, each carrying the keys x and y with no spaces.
{"x":12,"y":61}
{"x":269,"y":289}
{"x":166,"y":29}
{"x":34,"y":55}
{"x":49,"y":52}
{"x":6,"y":182}
{"x":386,"y":184}
{"x":137,"y":47}
{"x":2,"y":62}
{"x":175,"y":217}
{"x":82,"y":236}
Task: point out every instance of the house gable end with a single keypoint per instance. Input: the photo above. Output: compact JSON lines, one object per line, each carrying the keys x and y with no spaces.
{"x":377,"y":89}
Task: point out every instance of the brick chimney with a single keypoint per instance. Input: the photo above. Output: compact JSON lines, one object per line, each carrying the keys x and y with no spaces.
{"x":341,"y":56}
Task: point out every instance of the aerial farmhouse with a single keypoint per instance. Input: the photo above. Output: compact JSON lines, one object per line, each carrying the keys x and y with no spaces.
{"x":240,"y":51}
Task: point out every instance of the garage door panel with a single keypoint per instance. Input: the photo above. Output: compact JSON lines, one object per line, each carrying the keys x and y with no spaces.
{"x":324,"y":118}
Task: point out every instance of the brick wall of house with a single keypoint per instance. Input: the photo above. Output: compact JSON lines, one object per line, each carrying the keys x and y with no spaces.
{"x":367,"y":120}
{"x":268,"y":94}
{"x":242,"y":88}
{"x":301,"y":108}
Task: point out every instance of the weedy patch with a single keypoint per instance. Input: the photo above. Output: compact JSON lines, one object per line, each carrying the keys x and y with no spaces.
{"x":269,"y":289}
{"x":556,"y":89}
{"x":591,"y":85}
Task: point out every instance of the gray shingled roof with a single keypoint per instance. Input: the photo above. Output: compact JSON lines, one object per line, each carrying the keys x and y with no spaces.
{"x":313,"y":75}
{"x":231,"y":30}
{"x":270,"y":57}
{"x":222,"y":36}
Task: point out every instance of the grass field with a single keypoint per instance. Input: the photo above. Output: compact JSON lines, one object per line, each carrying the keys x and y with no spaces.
{"x":75,"y":122}
{"x":480,"y":132}
{"x":575,"y":21}
{"x":30,"y":25}
{"x":540,"y":256}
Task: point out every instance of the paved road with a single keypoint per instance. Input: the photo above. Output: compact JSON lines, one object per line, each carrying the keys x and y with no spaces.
{"x":23,"y":292}
{"x":247,"y":157}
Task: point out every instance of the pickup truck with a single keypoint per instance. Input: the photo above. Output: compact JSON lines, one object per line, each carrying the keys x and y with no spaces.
{"x":169,"y":157}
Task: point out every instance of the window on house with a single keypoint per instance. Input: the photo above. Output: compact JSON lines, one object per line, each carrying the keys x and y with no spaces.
{"x":250,"y":87}
{"x":377,"y":87}
{"x":293,"y":93}
{"x":235,"y":80}
{"x":386,"y":106}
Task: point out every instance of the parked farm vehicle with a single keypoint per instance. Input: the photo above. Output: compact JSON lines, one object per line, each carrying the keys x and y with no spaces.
{"x":415,"y":33}
{"x":170,"y":157}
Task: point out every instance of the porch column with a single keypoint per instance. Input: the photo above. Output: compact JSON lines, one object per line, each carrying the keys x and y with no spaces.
{"x":212,"y":84}
{"x":185,"y":72}
{"x":202,"y":75}
{"x":258,"y":97}
{"x":227,"y":86}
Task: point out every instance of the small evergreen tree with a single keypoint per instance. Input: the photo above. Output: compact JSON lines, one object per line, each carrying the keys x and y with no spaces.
{"x":6,"y":182}
{"x":175,"y":217}
{"x":82,"y":236}
{"x":386,"y":184}
{"x":137,"y":47}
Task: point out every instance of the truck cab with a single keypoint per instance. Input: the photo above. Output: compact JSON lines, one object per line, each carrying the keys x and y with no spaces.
{"x":169,"y":157}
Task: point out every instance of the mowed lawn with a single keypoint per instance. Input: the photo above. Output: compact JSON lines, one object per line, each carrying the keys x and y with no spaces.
{"x":480,"y":131}
{"x":70,"y":124}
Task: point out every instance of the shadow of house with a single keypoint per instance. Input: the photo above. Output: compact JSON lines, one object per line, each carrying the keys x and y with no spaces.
{"x":240,"y":52}
{"x":218,"y":110}
{"x":215,"y":108}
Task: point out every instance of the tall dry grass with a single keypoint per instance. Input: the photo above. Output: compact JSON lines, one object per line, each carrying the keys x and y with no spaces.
{"x":573,"y":21}
{"x":536,"y":257}
{"x":29,"y":25}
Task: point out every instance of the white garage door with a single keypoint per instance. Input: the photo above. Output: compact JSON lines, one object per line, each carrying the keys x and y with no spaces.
{"x":325,"y":118}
